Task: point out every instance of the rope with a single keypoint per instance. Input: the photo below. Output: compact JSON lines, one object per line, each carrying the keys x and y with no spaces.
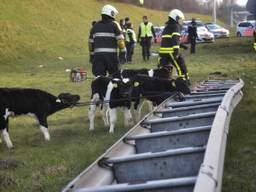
{"x":87,"y":103}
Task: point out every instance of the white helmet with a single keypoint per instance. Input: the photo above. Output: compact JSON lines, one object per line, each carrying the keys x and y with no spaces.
{"x":109,"y":10}
{"x":177,"y":15}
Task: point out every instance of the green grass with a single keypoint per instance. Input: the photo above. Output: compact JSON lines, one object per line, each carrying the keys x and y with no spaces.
{"x":34,"y":33}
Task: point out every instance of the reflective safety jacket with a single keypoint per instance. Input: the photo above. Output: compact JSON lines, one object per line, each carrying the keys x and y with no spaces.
{"x":106,"y":36}
{"x":170,"y":43}
{"x":130,"y":36}
{"x":146,"y":30}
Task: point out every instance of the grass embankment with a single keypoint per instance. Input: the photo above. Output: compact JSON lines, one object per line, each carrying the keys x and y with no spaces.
{"x":36,"y":33}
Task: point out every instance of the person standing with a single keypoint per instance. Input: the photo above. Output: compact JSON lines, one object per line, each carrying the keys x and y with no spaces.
{"x":122,"y":55}
{"x":122,"y":23}
{"x":169,"y":53}
{"x":254,"y":35}
{"x":130,"y":41}
{"x":192,"y":35}
{"x":105,"y":38}
{"x":145,"y":35}
{"x":126,"y":21}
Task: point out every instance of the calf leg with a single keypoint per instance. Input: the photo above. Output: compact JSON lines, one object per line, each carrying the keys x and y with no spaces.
{"x":150,"y":105}
{"x":44,"y":126}
{"x":138,"y":111}
{"x":105,"y":115}
{"x":92,"y":111}
{"x":112,"y":118}
{"x":5,"y":134}
{"x":127,"y":117}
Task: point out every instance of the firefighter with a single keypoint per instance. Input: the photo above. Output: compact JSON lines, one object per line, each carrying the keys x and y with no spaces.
{"x":130,"y":41}
{"x":192,"y":35}
{"x":105,"y":38}
{"x":145,"y":35}
{"x":169,"y":53}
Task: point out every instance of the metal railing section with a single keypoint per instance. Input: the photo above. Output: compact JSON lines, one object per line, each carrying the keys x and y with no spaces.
{"x":211,"y":171}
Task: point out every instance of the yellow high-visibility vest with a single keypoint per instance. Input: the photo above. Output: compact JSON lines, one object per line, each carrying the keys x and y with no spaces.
{"x":254,"y":46}
{"x":146,"y":30}
{"x":127,"y":38}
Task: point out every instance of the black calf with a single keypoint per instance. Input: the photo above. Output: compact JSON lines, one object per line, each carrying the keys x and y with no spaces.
{"x":14,"y":101}
{"x":112,"y":93}
{"x":156,"y":89}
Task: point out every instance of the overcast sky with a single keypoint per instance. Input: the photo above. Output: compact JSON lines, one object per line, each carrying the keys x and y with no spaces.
{"x":242,"y":2}
{"x":239,"y":2}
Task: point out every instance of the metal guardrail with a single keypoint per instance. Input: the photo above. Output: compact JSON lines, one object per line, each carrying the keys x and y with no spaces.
{"x":210,"y":174}
{"x":180,"y":146}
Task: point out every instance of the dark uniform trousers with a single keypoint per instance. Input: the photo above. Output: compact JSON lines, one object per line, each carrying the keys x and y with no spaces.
{"x":130,"y":50}
{"x":146,"y":45}
{"x":105,"y":62}
{"x":169,"y":60}
{"x":193,"y":45}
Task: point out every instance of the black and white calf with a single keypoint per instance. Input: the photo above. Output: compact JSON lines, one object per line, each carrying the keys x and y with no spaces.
{"x":160,"y":73}
{"x":155,"y":90}
{"x":110,"y":94}
{"x":15,"y":101}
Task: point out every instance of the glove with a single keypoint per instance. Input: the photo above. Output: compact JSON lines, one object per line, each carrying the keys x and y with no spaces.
{"x":91,"y":59}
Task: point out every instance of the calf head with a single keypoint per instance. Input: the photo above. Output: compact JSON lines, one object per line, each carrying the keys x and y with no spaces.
{"x":124,"y":87}
{"x":163,"y":72}
{"x":169,"y":68}
{"x":182,"y":85}
{"x":68,"y":99}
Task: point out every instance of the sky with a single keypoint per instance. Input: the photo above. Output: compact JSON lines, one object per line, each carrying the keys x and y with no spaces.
{"x":239,"y":2}
{"x":242,"y":2}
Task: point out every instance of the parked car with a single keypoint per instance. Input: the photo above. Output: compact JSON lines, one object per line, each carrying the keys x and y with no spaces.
{"x":184,"y":34}
{"x":217,"y":30}
{"x":199,"y":23}
{"x":204,"y":36}
{"x":245,"y":28}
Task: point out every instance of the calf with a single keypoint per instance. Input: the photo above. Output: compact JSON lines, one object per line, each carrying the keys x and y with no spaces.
{"x":111,"y":93}
{"x":15,"y":101}
{"x":160,"y":72}
{"x":155,"y":90}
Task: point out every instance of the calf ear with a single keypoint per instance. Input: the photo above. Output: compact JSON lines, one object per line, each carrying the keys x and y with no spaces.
{"x":58,"y":100}
{"x":136,"y":84}
{"x":115,"y":85}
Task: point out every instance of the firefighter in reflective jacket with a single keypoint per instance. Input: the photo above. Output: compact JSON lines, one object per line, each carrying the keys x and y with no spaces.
{"x":170,"y":45}
{"x":105,"y":38}
{"x":130,"y":41}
